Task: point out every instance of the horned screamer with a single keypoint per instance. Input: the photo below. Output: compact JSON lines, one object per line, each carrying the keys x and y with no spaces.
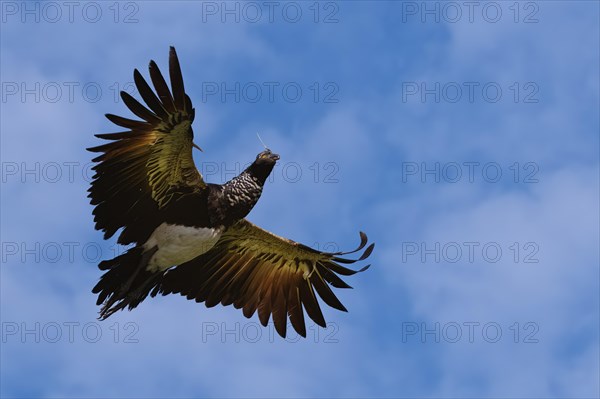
{"x":191,"y":237}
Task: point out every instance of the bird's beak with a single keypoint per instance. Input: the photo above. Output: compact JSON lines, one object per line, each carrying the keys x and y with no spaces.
{"x":196,"y":146}
{"x":275,"y":157}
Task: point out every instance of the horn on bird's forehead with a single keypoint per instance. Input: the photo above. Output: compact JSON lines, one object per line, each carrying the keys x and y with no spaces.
{"x":262,"y":142}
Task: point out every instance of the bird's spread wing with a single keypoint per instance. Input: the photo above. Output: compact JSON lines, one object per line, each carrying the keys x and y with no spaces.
{"x":143,"y":168}
{"x":257,"y":270}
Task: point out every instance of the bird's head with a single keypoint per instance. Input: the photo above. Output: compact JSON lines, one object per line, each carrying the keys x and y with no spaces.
{"x":263,"y":165}
{"x":267,"y":157}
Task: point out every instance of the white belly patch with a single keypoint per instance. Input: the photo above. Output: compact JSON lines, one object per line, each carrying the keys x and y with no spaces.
{"x":178,"y":244}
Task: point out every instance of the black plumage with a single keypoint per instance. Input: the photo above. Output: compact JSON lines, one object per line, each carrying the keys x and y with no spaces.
{"x":191,"y":236}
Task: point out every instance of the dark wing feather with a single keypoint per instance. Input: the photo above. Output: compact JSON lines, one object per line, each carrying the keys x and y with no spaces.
{"x":161,"y":87}
{"x":149,"y":97}
{"x":260,"y":272}
{"x":176,"y":81}
{"x":141,"y":170}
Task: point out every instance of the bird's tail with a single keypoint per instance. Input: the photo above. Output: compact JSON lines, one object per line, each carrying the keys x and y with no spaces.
{"x":127,"y":282}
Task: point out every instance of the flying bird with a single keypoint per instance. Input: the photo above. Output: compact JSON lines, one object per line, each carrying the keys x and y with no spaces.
{"x":189,"y":236}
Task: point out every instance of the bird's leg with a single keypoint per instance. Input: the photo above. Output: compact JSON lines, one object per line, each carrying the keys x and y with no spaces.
{"x":122,"y":294}
{"x":145,"y":259}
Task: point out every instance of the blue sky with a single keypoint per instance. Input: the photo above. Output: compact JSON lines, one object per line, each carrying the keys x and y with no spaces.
{"x":462,"y":138}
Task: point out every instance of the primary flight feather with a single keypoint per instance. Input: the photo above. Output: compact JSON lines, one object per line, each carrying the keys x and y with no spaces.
{"x":191,"y":237}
